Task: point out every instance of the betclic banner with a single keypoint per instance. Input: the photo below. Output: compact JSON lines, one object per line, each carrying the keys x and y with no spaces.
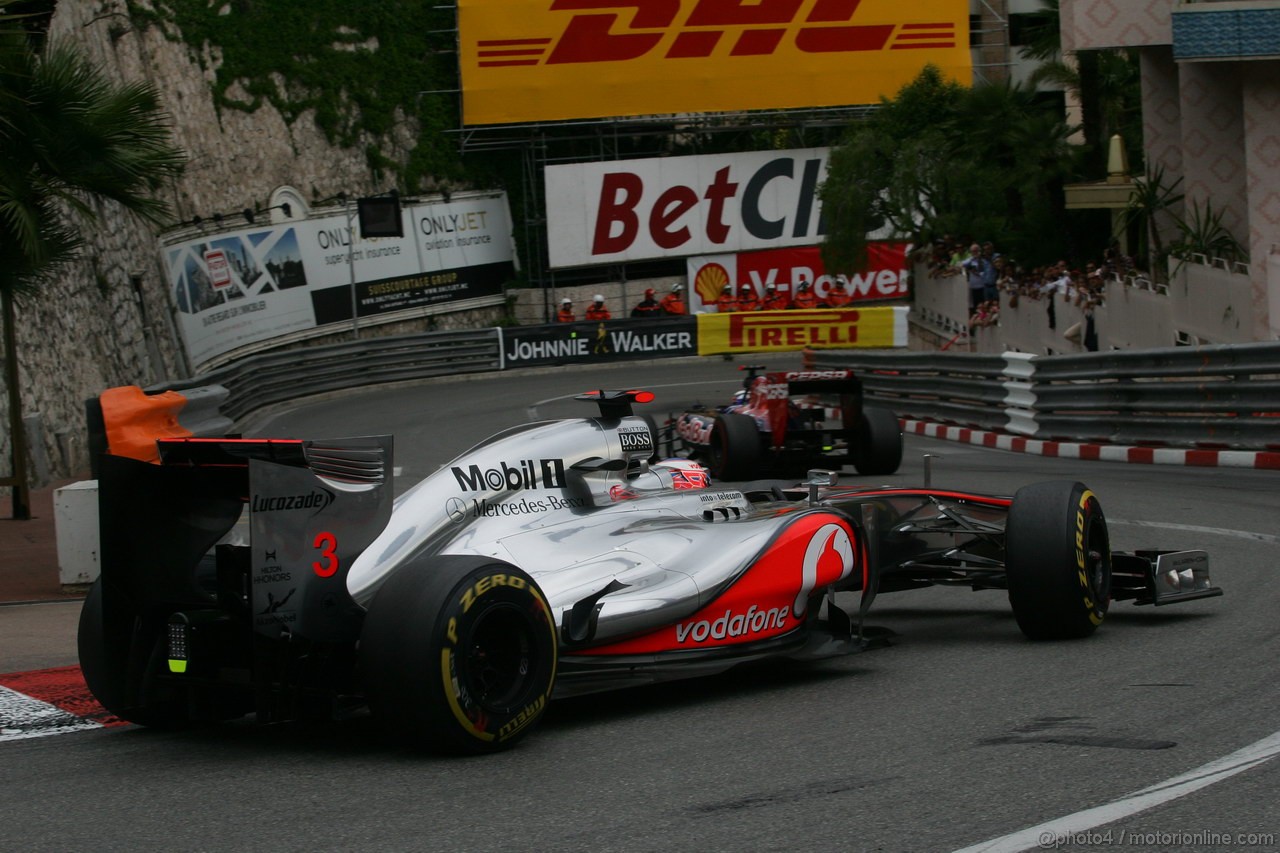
{"x":885,"y":276}
{"x":787,"y":331}
{"x":631,"y":210}
{"x":547,"y":60}
{"x":253,"y":284}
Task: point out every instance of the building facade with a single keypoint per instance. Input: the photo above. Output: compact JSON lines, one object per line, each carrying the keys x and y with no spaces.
{"x":1211,"y":118}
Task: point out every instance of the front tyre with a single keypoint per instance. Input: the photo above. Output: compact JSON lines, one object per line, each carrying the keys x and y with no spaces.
{"x":1058,"y":561}
{"x":458,"y":654}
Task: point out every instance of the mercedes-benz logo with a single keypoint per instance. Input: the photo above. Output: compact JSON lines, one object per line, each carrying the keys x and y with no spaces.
{"x":456,"y":509}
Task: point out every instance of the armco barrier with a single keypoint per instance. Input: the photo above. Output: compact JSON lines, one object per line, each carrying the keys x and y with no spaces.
{"x":1212,"y":396}
{"x":267,"y":379}
{"x":1215,"y":396}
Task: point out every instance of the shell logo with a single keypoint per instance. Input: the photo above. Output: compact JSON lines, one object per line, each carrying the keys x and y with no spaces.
{"x":709,"y":281}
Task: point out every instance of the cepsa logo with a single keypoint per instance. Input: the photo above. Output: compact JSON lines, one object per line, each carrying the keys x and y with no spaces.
{"x":730,"y":28}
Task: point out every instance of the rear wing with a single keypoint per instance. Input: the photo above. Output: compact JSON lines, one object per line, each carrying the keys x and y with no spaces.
{"x":261,"y":526}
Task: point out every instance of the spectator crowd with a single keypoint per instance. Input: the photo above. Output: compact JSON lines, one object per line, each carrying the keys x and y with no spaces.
{"x":994,"y":280}
{"x":732,"y":299}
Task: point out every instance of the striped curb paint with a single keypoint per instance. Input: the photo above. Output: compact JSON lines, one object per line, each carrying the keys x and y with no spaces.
{"x":1259,"y":459}
{"x":49,"y":702}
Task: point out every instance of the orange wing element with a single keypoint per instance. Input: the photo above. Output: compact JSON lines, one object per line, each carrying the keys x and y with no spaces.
{"x":135,"y":420}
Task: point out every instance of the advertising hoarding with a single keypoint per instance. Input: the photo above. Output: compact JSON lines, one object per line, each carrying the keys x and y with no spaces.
{"x":547,"y":60}
{"x":597,"y":342}
{"x":254,"y":284}
{"x":885,"y":276}
{"x":787,"y":331}
{"x":658,"y":207}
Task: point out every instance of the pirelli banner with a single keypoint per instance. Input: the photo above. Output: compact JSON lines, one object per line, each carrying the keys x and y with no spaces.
{"x":787,"y":331}
{"x":546,"y":60}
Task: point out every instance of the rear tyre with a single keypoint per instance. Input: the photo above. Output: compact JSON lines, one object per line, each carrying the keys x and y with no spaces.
{"x":1058,"y":561}
{"x":118,"y":667}
{"x":735,"y":447}
{"x":878,"y":448}
{"x":458,"y":654}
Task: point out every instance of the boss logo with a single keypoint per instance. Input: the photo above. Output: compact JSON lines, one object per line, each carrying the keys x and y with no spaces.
{"x":636,"y":438}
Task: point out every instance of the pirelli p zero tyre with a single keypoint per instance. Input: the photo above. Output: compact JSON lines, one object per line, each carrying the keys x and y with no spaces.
{"x":458,"y":654}
{"x":878,"y":448}
{"x":119,"y":664}
{"x":735,"y":447}
{"x":1058,"y":561}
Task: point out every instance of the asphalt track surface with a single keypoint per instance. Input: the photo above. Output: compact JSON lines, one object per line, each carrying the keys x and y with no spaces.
{"x":960,"y":733}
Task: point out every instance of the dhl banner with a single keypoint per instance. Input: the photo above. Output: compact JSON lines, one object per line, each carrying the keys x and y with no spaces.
{"x":787,"y":331}
{"x":546,"y":60}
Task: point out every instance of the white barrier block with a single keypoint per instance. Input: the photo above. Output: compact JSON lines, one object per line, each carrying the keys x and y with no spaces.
{"x":75,"y":519}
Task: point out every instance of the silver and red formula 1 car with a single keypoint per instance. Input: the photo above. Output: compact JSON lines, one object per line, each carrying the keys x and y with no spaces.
{"x":788,"y":421}
{"x":279,"y":578}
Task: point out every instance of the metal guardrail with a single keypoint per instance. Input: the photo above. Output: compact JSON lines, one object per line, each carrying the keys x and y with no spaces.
{"x":267,"y":379}
{"x":1222,"y":396}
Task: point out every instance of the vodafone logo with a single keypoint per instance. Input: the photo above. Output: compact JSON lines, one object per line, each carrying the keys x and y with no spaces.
{"x":829,"y":558}
{"x":621,"y":31}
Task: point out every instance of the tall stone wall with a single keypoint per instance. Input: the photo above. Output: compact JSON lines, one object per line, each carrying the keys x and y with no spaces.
{"x":107,"y":320}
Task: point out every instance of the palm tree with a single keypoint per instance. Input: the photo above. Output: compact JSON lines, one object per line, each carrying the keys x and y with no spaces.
{"x":1105,"y":82}
{"x":68,"y":138}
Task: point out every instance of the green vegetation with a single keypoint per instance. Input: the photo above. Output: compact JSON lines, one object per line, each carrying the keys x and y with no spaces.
{"x":940,"y":159}
{"x":69,"y":139}
{"x":361,"y":67}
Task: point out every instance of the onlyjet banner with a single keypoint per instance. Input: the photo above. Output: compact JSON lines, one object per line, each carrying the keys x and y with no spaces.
{"x":258,"y":283}
{"x":885,"y":275}
{"x":545,"y":60}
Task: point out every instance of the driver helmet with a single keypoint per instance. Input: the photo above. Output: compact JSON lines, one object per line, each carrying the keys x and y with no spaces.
{"x":566,"y":301}
{"x":599,"y":298}
{"x":676,"y":288}
{"x":685,"y":473}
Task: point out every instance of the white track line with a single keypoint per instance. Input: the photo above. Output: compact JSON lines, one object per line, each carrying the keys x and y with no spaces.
{"x":1195,"y":528}
{"x":1046,"y":835}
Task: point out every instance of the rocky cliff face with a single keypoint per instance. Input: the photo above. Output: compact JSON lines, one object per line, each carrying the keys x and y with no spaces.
{"x":108,"y":320}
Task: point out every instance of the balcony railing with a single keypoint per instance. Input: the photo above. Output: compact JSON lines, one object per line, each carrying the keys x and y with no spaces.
{"x":1226,"y":29}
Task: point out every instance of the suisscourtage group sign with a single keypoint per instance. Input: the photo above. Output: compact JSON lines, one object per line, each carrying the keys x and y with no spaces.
{"x":253,"y":284}
{"x":544,"y":60}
